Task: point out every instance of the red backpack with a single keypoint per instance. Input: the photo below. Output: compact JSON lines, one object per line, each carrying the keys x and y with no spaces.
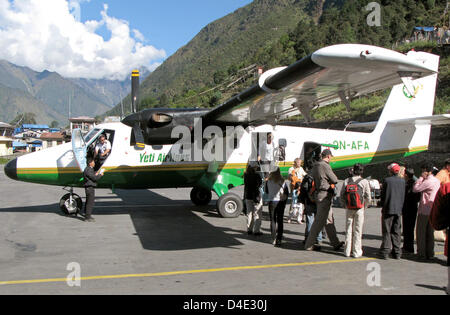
{"x":354,"y":198}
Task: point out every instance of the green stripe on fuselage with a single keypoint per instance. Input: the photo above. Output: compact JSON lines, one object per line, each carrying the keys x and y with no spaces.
{"x":185,"y":176}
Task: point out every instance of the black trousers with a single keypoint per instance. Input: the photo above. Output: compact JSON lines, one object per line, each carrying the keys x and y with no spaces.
{"x":90,"y":200}
{"x":409,"y":224}
{"x":276,"y":210}
{"x":392,"y":234}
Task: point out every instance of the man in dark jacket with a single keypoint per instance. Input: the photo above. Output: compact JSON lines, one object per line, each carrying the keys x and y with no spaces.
{"x":253,"y":199}
{"x":392,"y":199}
{"x":90,"y":182}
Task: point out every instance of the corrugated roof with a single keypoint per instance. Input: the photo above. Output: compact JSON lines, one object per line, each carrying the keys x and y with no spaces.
{"x":28,"y":126}
{"x":5,"y":125}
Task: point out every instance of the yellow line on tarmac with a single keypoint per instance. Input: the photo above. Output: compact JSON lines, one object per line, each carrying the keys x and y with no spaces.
{"x":186,"y":272}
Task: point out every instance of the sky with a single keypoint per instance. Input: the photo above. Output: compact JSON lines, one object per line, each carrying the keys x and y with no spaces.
{"x":102,"y":38}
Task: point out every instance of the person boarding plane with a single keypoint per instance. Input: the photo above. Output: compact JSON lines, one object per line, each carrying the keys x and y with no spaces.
{"x":208,"y":150}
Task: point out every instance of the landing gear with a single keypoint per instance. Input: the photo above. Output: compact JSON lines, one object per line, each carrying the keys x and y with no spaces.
{"x":71,"y":204}
{"x":230,"y":206}
{"x":200,"y":196}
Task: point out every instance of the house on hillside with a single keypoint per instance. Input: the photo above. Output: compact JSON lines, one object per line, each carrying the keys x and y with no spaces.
{"x":52,"y":139}
{"x":6,"y":139}
{"x":86,"y":124}
{"x":30,"y":131}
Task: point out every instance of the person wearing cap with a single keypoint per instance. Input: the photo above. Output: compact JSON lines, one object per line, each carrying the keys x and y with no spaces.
{"x":324,"y":180}
{"x":444,"y":175}
{"x":428,"y":186}
{"x":392,"y":199}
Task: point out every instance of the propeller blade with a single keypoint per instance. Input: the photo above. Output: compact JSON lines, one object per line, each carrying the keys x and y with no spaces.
{"x":139,"y":137}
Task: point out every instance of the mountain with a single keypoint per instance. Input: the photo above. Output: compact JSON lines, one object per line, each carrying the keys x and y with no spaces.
{"x":47,"y":94}
{"x":221,"y":45}
{"x":109,"y":92}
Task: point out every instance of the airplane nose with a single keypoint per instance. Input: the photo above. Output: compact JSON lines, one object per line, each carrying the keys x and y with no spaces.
{"x":11,"y":169}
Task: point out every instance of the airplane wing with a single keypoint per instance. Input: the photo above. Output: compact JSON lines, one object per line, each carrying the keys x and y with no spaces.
{"x":329,"y":75}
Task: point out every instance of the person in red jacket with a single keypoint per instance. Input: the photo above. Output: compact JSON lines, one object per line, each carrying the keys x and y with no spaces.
{"x":440,"y":219}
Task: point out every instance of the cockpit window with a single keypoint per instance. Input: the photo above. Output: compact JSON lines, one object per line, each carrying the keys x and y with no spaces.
{"x":91,"y":135}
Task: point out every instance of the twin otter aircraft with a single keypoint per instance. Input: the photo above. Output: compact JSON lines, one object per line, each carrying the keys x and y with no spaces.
{"x":208,"y":150}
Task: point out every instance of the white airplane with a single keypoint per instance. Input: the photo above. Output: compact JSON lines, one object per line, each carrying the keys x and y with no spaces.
{"x":147,"y":151}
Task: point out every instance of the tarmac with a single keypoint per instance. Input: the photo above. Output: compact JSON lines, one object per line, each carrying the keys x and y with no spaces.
{"x":157,"y":242}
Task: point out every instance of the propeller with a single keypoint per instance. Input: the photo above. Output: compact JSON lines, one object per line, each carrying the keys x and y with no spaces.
{"x":139,"y":137}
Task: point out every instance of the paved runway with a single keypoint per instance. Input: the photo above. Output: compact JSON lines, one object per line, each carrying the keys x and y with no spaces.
{"x":156,"y":242}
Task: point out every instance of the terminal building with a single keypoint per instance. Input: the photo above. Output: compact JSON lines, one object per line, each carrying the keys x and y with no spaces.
{"x":6,"y":139}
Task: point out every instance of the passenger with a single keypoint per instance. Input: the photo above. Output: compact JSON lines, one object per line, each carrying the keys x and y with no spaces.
{"x":90,"y":183}
{"x":428,"y":186}
{"x":278,"y":192}
{"x":253,"y":199}
{"x":296,"y":174}
{"x":324,"y":180}
{"x":440,"y":220}
{"x":307,"y":188}
{"x":102,"y":151}
{"x":266,"y":155}
{"x":409,"y":212}
{"x":444,"y":175}
{"x":355,"y":213}
{"x":392,"y":199}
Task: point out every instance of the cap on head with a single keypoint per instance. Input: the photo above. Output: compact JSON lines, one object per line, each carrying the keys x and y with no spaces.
{"x":394,"y":168}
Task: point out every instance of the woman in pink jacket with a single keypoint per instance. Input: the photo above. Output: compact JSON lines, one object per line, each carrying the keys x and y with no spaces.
{"x":428,"y":186}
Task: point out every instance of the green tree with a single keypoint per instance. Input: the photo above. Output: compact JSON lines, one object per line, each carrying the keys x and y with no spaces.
{"x":54,"y":124}
{"x":26,"y":118}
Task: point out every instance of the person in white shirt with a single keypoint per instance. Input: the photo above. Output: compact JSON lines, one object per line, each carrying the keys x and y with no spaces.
{"x":102,"y":150}
{"x":355,"y":218}
{"x":278,"y":192}
{"x":266,"y":155}
{"x":296,"y":174}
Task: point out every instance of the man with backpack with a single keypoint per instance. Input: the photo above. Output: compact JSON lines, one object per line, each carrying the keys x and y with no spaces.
{"x":307,"y":189}
{"x":355,"y":197}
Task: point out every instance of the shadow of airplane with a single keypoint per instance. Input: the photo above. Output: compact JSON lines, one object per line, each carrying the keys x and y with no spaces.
{"x":161,"y":224}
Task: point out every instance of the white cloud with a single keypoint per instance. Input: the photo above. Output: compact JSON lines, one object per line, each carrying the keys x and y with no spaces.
{"x":47,"y":35}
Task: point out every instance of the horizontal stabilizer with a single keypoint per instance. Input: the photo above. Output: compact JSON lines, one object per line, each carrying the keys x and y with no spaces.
{"x":435,"y":120}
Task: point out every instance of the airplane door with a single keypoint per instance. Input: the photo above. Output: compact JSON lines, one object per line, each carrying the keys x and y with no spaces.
{"x":79,"y":149}
{"x":311,"y":151}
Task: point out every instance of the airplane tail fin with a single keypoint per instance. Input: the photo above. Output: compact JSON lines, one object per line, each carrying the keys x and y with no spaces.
{"x":408,"y":102}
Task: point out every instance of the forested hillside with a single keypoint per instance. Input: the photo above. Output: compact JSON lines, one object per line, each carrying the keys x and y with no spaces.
{"x":223,"y":58}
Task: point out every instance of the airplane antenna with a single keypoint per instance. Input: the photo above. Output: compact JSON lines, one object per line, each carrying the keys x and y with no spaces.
{"x":121,"y":105}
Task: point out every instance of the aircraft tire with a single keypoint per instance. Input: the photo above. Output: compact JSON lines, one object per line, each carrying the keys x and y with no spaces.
{"x":71,"y":209}
{"x":200,"y":196}
{"x":230,"y":206}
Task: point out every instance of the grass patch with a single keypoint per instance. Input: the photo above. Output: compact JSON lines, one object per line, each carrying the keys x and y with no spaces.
{"x":3,"y":161}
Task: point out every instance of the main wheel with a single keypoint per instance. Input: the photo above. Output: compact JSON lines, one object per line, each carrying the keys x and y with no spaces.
{"x":71,"y":207}
{"x":200,"y":196}
{"x":230,"y":206}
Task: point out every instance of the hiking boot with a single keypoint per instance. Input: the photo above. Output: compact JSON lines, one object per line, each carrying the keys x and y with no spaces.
{"x":339,"y":246}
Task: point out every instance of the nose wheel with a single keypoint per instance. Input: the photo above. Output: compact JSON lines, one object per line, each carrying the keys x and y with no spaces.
{"x":71,"y":204}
